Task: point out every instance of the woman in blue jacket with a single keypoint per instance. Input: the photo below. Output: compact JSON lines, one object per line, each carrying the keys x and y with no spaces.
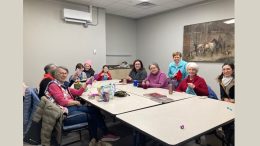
{"x":177,"y":69}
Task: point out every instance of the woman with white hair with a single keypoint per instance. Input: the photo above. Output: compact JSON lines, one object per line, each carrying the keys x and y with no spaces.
{"x":193,"y":84}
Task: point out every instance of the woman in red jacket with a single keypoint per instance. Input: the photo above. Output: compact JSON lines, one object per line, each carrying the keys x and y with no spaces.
{"x":193,"y":84}
{"x":104,"y":74}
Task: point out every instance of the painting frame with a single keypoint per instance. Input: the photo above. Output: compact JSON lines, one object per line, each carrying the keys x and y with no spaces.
{"x":209,"y":41}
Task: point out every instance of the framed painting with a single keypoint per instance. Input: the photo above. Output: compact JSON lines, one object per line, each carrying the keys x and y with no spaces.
{"x":210,"y":41}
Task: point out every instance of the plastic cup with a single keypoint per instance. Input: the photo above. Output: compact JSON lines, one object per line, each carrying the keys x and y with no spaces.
{"x":106,"y":97}
{"x":124,"y":81}
{"x":144,"y":86}
{"x":135,"y":83}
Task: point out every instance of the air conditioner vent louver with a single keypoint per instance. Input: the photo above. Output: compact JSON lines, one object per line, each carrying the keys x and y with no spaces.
{"x":145,"y":5}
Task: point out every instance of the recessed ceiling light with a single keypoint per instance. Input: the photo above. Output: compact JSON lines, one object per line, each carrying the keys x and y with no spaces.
{"x":230,"y":21}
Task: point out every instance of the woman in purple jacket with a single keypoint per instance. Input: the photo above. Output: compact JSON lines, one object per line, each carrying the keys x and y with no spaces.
{"x":156,"y":78}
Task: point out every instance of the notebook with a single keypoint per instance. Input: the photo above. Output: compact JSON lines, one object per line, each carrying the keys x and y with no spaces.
{"x":157,"y":97}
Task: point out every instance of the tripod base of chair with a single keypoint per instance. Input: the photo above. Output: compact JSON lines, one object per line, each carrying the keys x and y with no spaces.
{"x":66,"y":129}
{"x":220,"y":137}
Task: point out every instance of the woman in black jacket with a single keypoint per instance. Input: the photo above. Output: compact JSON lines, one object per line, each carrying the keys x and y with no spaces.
{"x":88,"y":70}
{"x":227,"y":93}
{"x":227,"y":82}
{"x":138,"y":72}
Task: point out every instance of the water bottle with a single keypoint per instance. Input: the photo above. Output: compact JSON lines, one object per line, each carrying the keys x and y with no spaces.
{"x":83,"y":76}
{"x":111,"y":91}
{"x":114,"y":89}
{"x":170,"y":88}
{"x":101,"y":93}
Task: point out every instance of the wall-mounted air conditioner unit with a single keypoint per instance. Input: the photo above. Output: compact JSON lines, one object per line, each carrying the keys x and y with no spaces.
{"x":77,"y":16}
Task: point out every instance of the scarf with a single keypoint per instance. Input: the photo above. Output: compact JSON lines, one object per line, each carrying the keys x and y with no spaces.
{"x":189,"y":90}
{"x":226,"y":80}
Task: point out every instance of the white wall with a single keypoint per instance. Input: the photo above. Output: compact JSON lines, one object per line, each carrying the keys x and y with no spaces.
{"x":160,"y":35}
{"x":48,"y":39}
{"x":121,"y":39}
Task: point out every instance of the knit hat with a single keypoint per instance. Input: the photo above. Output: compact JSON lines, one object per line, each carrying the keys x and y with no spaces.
{"x":89,"y":62}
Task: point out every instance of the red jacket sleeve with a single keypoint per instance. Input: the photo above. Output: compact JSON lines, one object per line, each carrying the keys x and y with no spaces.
{"x":57,"y":94}
{"x":99,"y":77}
{"x":109,"y":76}
{"x":181,"y":87}
{"x":201,"y":88}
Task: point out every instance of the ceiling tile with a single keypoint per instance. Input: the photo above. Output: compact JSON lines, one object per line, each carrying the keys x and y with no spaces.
{"x":129,"y":2}
{"x":128,"y":8}
{"x":160,"y":2}
{"x":187,"y":2}
{"x":135,"y":9}
{"x":173,"y":4}
{"x":126,"y":14}
{"x":102,"y":3}
{"x":80,"y":1}
{"x":116,"y":7}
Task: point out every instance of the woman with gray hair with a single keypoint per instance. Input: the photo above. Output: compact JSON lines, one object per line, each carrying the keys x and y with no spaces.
{"x":156,"y":78}
{"x":65,"y":96}
{"x":193,"y":84}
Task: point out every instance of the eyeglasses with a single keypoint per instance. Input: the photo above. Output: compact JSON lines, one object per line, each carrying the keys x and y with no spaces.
{"x":63,"y":73}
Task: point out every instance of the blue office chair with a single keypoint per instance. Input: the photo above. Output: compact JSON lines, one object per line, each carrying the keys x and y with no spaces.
{"x":30,"y":103}
{"x":212,"y":94}
{"x":75,"y":122}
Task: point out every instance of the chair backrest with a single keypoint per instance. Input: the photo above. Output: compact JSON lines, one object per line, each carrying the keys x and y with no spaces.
{"x":30,"y":103}
{"x":35,"y":93}
{"x":75,"y":122}
{"x":212,"y":94}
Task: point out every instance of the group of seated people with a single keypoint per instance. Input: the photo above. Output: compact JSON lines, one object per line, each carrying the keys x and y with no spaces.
{"x":54,"y":85}
{"x":56,"y":88}
{"x":184,"y":77}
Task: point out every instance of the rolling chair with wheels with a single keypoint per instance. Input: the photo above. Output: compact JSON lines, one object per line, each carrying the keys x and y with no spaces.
{"x":75,"y":122}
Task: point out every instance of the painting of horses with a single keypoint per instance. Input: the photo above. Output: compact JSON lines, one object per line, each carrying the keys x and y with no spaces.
{"x":209,"y":42}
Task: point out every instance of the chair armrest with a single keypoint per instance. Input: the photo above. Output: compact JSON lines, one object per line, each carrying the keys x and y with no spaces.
{"x":75,"y":118}
{"x":75,"y":114}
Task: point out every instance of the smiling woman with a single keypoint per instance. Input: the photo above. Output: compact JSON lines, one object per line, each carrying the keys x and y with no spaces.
{"x":227,"y":92}
{"x":227,"y":82}
{"x":61,"y":74}
{"x":156,"y":78}
{"x":65,"y":97}
{"x":193,"y":84}
{"x":138,"y":72}
{"x":177,"y":69}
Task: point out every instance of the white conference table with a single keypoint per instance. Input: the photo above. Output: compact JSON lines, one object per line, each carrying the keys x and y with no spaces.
{"x":99,"y":83}
{"x":197,"y":115}
{"x":119,"y":105}
{"x":140,"y":91}
{"x":135,"y":101}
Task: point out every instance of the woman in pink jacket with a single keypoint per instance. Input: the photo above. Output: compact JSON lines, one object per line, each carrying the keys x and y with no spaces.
{"x":65,"y":97}
{"x":156,"y":78}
